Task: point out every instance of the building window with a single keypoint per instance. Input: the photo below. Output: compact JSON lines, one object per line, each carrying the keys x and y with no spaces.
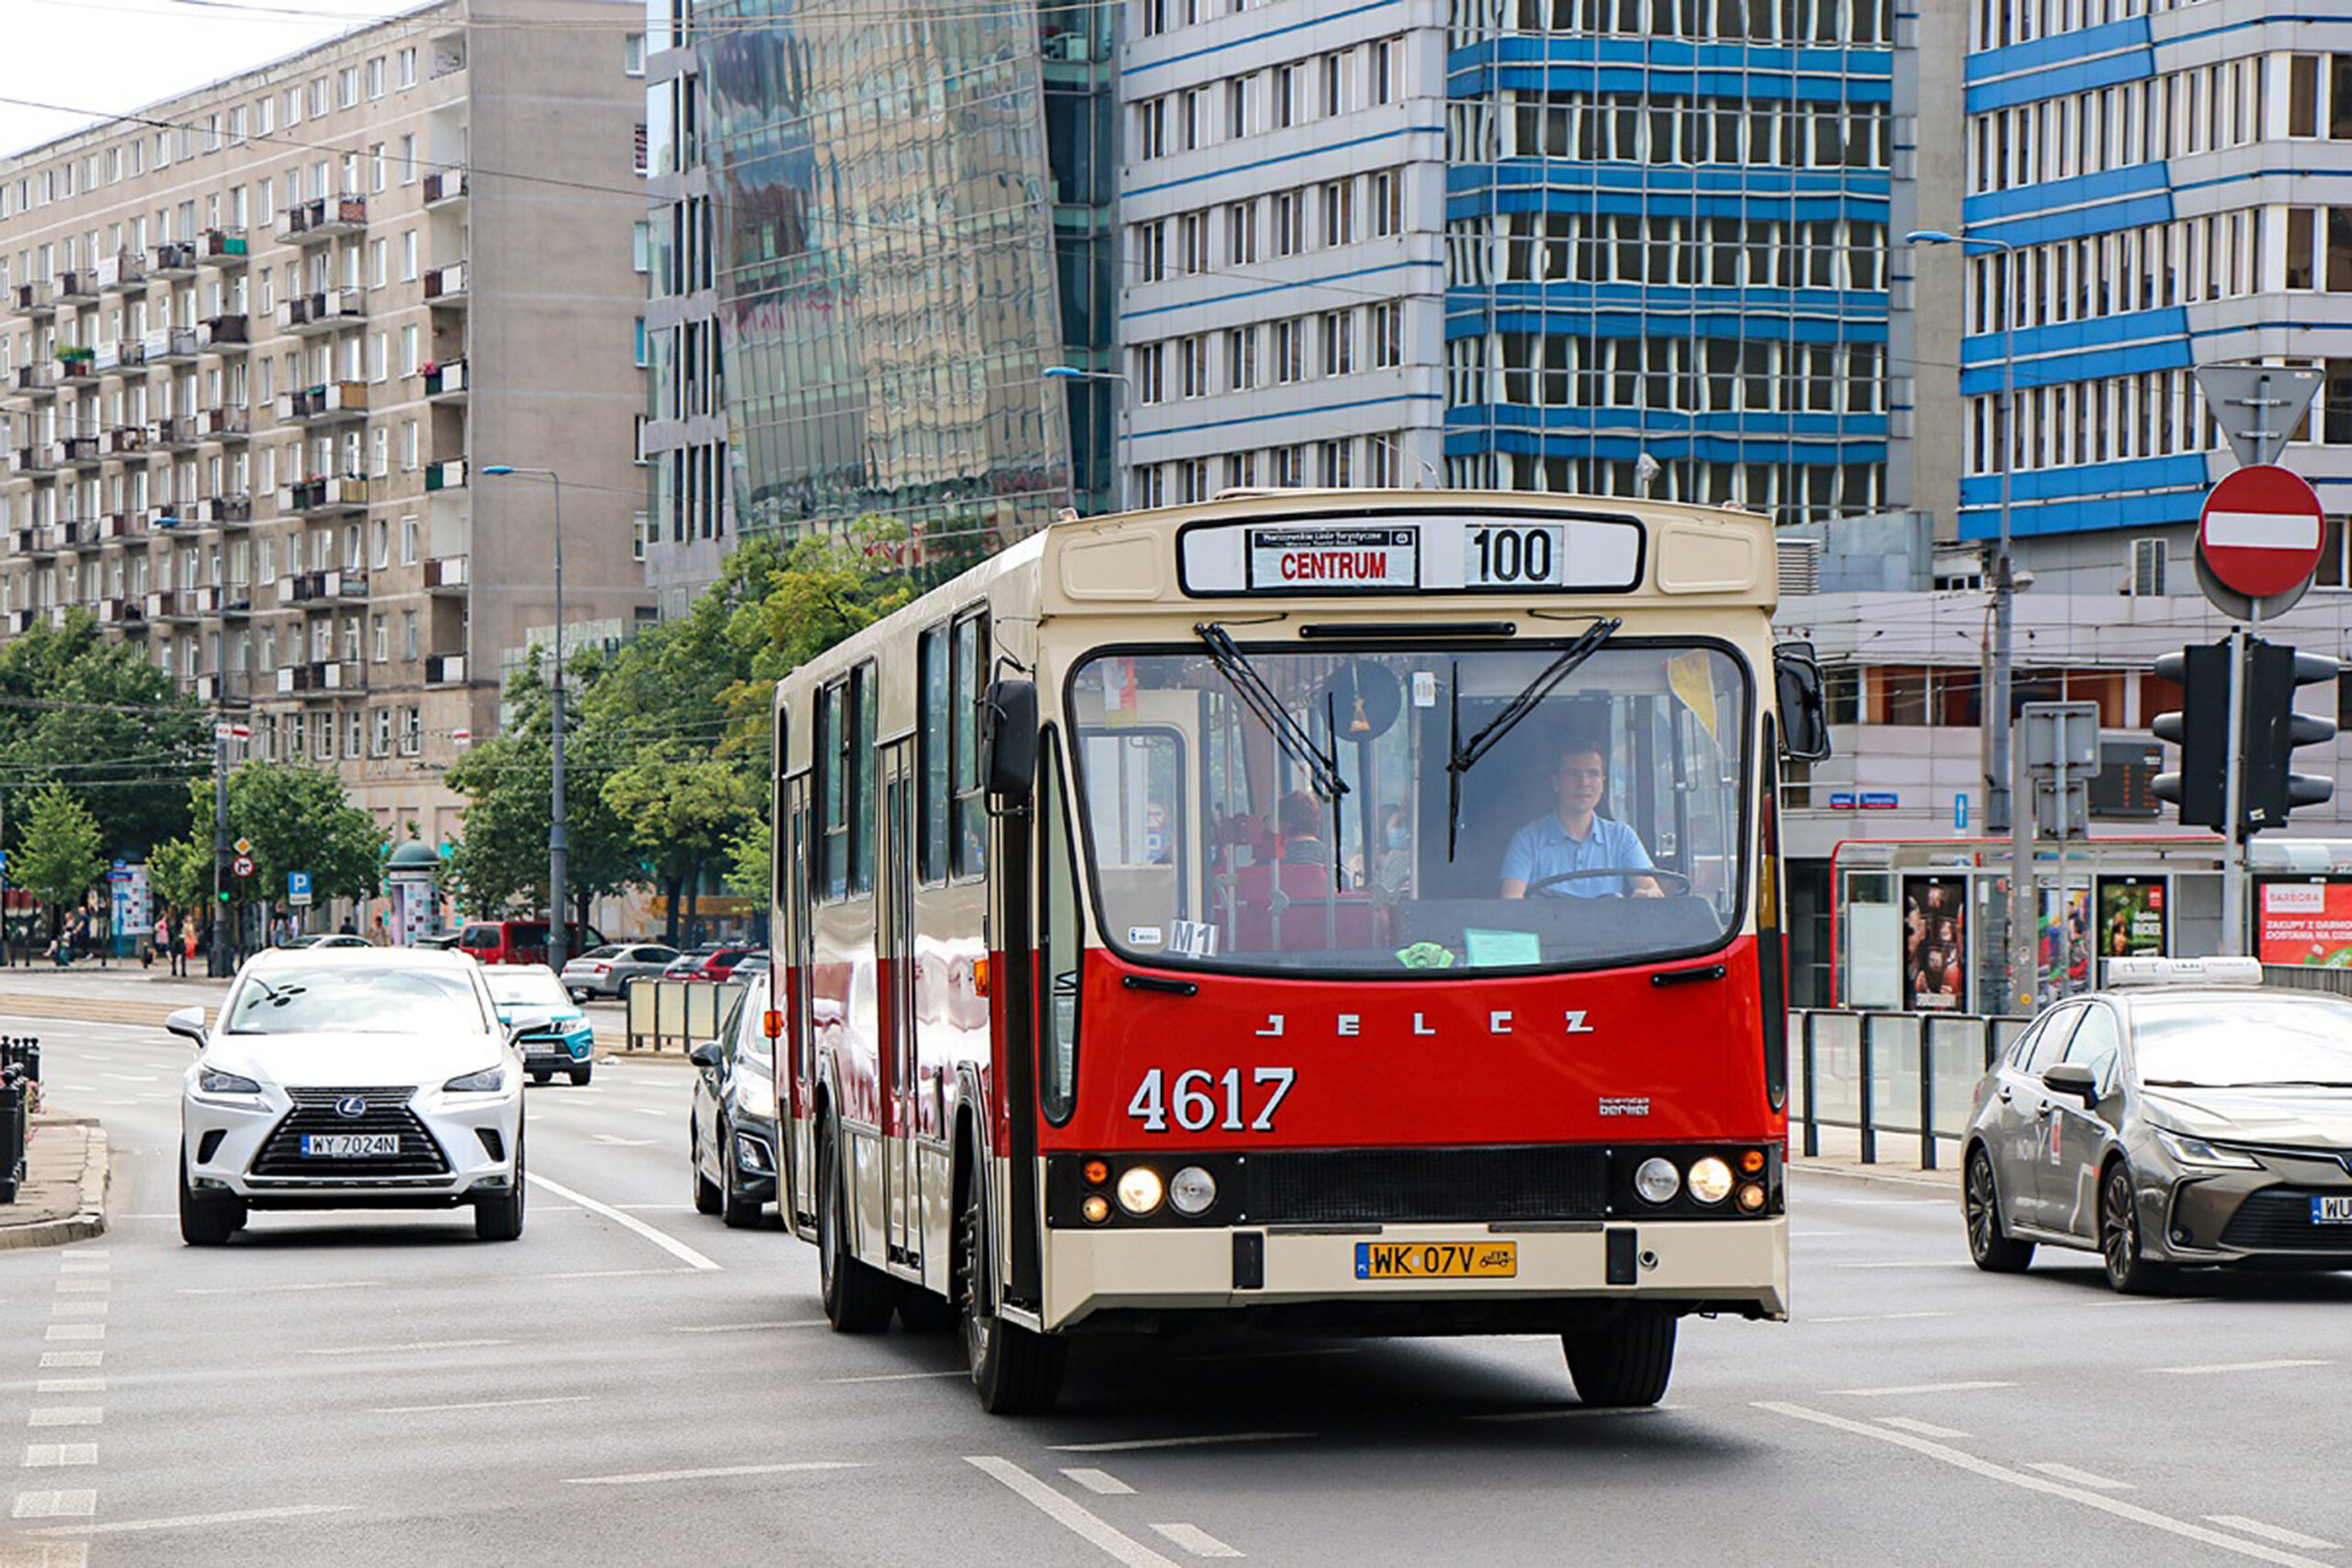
{"x":1384,"y":462}
{"x":407,"y":541}
{"x":1385,"y":57}
{"x":1240,"y":359}
{"x":405,"y":73}
{"x":1237,"y":107}
{"x":408,"y":644}
{"x":1335,"y":82}
{"x":1241,"y":233}
{"x":1338,"y":342}
{"x":1388,"y":202}
{"x":1290,"y":222}
{"x":1339,"y":212}
{"x":1334,"y":457}
{"x":1193,"y":367}
{"x":379,"y":639}
{"x":633,"y":55}
{"x":642,"y":359}
{"x":376,"y":77}
{"x":347,"y":87}
{"x":1285,"y":81}
{"x":1150,"y":386}
{"x":1151,"y":129}
{"x":1151,"y":250}
{"x":1290,"y":352}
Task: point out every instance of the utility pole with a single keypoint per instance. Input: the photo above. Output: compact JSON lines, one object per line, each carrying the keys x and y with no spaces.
{"x":559,"y":836}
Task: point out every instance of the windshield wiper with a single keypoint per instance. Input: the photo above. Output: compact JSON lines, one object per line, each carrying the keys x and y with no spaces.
{"x":1322,"y":767}
{"x":1467,"y":753}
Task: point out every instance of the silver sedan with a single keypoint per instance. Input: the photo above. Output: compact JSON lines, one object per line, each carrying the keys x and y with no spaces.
{"x":607,"y":971}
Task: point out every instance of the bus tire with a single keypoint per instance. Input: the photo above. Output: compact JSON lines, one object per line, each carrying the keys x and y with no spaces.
{"x":1625,"y":1363}
{"x":856,"y":1298}
{"x":1015,"y":1371}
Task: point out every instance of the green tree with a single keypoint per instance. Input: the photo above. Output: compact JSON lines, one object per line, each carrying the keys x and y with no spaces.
{"x":685,"y":813}
{"x":296,"y":818}
{"x":99,"y":717}
{"x":61,"y":854}
{"x":179,"y":873}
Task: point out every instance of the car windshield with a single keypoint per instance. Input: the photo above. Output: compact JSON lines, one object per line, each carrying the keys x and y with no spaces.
{"x":1523,"y":806}
{"x":527,"y":984}
{"x":2254,"y":1040}
{"x":354,"y":1001}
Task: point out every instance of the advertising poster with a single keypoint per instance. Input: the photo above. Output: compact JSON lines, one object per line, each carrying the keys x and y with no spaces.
{"x":2065,"y":953}
{"x":1934,"y":943}
{"x":2132,"y":919}
{"x":2305,"y":922}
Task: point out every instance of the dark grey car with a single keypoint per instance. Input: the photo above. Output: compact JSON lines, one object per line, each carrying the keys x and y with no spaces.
{"x":732,"y":1129}
{"x":2168,"y":1126}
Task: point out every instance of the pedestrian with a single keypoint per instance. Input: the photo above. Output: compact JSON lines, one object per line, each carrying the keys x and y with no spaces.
{"x":187,"y":942}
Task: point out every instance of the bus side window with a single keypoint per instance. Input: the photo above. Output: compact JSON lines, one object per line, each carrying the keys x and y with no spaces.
{"x":969,"y":799}
{"x":936,"y":749}
{"x":1060,"y":941}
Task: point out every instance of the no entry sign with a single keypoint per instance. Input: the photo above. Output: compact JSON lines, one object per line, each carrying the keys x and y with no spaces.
{"x":2260,"y":531}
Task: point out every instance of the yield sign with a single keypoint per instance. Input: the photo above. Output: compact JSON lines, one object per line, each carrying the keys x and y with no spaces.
{"x":2260,"y":531}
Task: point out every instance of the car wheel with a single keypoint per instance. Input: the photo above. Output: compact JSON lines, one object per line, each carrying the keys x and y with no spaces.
{"x":708,"y":1200}
{"x":1988,"y":1241}
{"x":1015,"y":1371}
{"x":578,"y":994}
{"x":501,"y":1219}
{"x":580,"y":1074}
{"x":2118,"y":1235}
{"x":206,"y":1222}
{"x":736,"y":1211}
{"x":1624,"y":1364}
{"x":856,"y":1297}
{"x":541,"y":1078}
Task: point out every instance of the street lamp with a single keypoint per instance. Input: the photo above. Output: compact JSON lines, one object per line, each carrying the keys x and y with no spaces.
{"x":1124,"y":416}
{"x":2000,"y":812}
{"x":216,"y":962}
{"x":559,"y":932}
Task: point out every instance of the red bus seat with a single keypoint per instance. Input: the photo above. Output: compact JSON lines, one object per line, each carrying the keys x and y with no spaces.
{"x":1314,"y":915}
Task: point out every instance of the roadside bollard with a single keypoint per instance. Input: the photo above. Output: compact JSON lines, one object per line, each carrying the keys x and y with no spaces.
{"x":21,"y":1055}
{"x":13,"y":1108}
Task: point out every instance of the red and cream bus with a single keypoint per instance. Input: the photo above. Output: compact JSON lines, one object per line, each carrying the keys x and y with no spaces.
{"x":1334,"y":911}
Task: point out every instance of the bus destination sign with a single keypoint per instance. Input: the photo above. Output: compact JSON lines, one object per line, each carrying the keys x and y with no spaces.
{"x":1334,"y":558}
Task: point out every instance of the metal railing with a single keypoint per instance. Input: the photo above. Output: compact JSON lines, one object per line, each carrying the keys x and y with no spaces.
{"x":676,"y":1014}
{"x":1890,"y":1074}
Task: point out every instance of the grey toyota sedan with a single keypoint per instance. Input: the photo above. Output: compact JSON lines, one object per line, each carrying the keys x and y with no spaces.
{"x":2186,"y":1116}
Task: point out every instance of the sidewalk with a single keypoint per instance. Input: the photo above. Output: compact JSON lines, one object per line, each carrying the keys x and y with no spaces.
{"x":64,"y":1194}
{"x":1897,"y":1164}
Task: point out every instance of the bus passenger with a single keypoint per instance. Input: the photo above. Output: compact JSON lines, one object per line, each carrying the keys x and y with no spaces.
{"x":1574,"y":837}
{"x":1302,"y":827}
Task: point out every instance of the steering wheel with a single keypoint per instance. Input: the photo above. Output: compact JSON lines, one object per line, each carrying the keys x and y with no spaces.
{"x":1545,"y":884}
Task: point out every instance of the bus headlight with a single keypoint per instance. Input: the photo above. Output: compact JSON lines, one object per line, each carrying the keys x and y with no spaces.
{"x":1140,"y":1189}
{"x":1191,"y":1191}
{"x":1710,"y":1181}
{"x":1657,"y":1181}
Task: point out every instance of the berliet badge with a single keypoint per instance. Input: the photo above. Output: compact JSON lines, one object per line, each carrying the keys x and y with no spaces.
{"x":1624,"y":1105}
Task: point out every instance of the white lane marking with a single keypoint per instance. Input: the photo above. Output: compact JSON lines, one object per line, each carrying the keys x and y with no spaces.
{"x":653,"y":1476}
{"x":746,"y":1327}
{"x":70,"y":1385}
{"x":46,"y":1554}
{"x":1925,"y":1428}
{"x":1574,"y":1411}
{"x":67,"y":1415}
{"x":132,"y":1077}
{"x":608,"y":1141}
{"x":478,"y":1404}
{"x":1875,"y":1317}
{"x":2271,"y":1532}
{"x":2083,"y":1477}
{"x":259,"y":1289}
{"x":655,"y":1208}
{"x":1892,"y":1202}
{"x":1196,"y":1540}
{"x":612,"y":1273}
{"x":195,"y":1521}
{"x":2236,"y":1367}
{"x":670,"y":1245}
{"x":94,"y":1283}
{"x":1955,"y":1263}
{"x":414,"y":1345}
{"x":62,"y":1359}
{"x":1075,"y":1517}
{"x":1920,"y":1388}
{"x":648,"y":1111}
{"x":2088,"y":1499}
{"x":902,"y":1376}
{"x":69,"y":1503}
{"x":1176,"y":1442}
{"x":1101,"y":1482}
{"x":49,"y":1456}
{"x":78,"y":1309}
{"x":58,"y":1331}
{"x":2149,"y":1301}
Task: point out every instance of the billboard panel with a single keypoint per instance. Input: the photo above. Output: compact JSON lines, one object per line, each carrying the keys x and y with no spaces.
{"x":2304,"y":921}
{"x":1934,"y":943}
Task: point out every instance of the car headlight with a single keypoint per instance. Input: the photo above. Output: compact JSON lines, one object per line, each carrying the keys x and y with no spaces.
{"x":1140,"y":1189}
{"x":212,"y":1080}
{"x":1191,"y":1191}
{"x":1710,"y":1180}
{"x":490,"y":1080}
{"x":1657,"y":1181}
{"x":2197,"y":1151}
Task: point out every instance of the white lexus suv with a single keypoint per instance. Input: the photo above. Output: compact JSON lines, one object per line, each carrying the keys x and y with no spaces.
{"x":342,"y":1078}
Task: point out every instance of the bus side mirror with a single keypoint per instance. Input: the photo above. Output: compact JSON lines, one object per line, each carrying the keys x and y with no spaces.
{"x":1804,"y":712}
{"x":1009,"y":738}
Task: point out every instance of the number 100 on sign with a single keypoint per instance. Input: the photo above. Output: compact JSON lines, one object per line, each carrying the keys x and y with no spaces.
{"x":1519,"y":556}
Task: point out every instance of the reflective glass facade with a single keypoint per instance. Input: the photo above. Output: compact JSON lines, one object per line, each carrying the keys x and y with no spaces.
{"x":910,"y":205}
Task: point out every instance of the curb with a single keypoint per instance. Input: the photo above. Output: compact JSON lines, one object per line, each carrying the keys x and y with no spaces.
{"x":90,"y":1222}
{"x":1881,"y":1176}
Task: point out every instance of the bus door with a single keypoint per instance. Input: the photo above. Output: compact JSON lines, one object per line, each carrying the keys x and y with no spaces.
{"x":895,"y":960}
{"x":796,"y":1058}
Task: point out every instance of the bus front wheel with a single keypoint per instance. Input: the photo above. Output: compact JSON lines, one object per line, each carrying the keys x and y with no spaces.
{"x":1625,"y":1362}
{"x":857,"y":1296}
{"x":1016,"y":1371}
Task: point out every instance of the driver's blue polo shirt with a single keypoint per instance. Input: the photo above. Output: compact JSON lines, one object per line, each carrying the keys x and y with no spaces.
{"x":1543,"y":849}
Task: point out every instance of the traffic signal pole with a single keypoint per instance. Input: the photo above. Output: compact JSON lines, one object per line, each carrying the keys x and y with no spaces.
{"x":2234,"y":794}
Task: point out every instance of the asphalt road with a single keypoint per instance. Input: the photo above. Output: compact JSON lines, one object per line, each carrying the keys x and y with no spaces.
{"x":633,"y":1384}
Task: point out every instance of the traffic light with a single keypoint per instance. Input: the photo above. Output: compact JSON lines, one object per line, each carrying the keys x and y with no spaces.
{"x":2201,"y":730}
{"x":2274,"y":730}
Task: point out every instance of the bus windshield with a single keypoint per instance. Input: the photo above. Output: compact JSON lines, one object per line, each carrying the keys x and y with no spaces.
{"x":1603,"y":826}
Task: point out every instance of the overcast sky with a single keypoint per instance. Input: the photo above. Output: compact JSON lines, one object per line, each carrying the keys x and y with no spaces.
{"x":102,"y":56}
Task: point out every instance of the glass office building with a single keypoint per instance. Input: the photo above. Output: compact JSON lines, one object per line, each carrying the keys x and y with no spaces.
{"x":910,"y":214}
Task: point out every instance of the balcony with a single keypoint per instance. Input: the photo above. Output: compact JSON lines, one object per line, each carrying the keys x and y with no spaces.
{"x":445,"y":668}
{"x":76,"y":533}
{"x":323,"y":217}
{"x":236,"y":686}
{"x":119,"y":612}
{"x":41,"y":544}
{"x":320,"y":675}
{"x":335,"y":401}
{"x":35,"y":300}
{"x":123,"y":274}
{"x":221,"y":511}
{"x":445,"y":284}
{"x":170,"y":345}
{"x":448,"y":186}
{"x":445,"y":574}
{"x":450,"y":475}
{"x":120,"y":358}
{"x":224,"y":423}
{"x":175,"y":260}
{"x":19,"y":622}
{"x":78,"y":369}
{"x":220,"y":247}
{"x":171,"y":606}
{"x":446,"y":382}
{"x":78,"y":452}
{"x":37,"y":380}
{"x":322,"y":588}
{"x":39,"y":458}
{"x":323,"y":313}
{"x":114,"y":526}
{"x":223,"y":335}
{"x":79,"y":287}
{"x":348,"y":493}
{"x":176,"y":435}
{"x":126,"y":440}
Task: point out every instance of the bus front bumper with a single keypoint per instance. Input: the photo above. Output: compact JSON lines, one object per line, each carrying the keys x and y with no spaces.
{"x":1327,"y":1278}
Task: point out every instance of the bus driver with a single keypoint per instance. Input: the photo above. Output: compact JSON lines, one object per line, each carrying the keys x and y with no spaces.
{"x":1575,"y":838}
